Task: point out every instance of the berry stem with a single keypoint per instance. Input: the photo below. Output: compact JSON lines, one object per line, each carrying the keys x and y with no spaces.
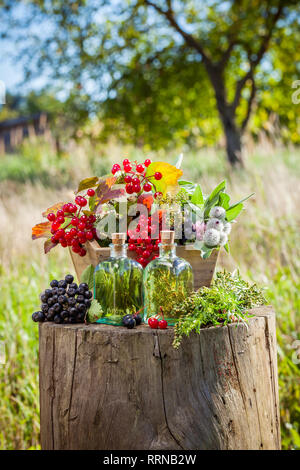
{"x":136,"y":313}
{"x":162,"y":312}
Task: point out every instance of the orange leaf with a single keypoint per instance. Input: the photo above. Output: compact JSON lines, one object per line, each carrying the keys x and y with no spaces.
{"x":42,"y":230}
{"x":159,"y":213}
{"x":146,"y":199}
{"x":54,"y":209}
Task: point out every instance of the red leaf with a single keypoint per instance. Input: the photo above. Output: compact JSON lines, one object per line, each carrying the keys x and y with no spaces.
{"x":42,"y":230}
{"x":104,"y":193}
{"x":48,"y":245}
{"x":54,"y":209}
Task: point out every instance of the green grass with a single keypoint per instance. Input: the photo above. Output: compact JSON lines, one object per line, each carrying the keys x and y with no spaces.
{"x":283,"y":293}
{"x":264,"y":245}
{"x":19,"y":406}
{"x":39,"y":163}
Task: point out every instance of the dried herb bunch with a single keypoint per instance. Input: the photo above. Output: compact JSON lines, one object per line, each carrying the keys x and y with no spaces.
{"x":226,"y":301}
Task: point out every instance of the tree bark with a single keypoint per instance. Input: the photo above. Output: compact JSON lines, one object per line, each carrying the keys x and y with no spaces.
{"x":233,"y":142}
{"x":227,"y":117}
{"x":104,"y":387}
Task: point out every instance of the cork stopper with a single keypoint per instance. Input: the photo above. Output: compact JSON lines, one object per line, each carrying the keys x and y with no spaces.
{"x":167,"y":237}
{"x":118,"y":238}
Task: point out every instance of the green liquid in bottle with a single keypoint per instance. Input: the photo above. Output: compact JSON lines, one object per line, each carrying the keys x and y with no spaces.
{"x":168,"y":279}
{"x":118,"y":286}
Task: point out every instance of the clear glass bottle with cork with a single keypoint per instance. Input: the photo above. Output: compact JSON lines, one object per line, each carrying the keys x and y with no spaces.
{"x":118,"y":283}
{"x":167,"y":279}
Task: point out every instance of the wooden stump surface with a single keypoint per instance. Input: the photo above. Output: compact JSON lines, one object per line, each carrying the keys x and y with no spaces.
{"x":105,"y":387}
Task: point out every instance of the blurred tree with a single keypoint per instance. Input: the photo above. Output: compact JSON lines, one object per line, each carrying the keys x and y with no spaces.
{"x":231,"y":40}
{"x":66,"y":117}
{"x":275,"y":87}
{"x":162,"y":102}
{"x":157,"y":68}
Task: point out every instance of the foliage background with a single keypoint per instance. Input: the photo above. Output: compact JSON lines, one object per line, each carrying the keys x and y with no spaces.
{"x":159,"y":73}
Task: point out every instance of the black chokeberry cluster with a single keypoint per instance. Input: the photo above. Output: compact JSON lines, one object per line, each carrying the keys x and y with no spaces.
{"x":65,"y":302}
{"x":130,"y":321}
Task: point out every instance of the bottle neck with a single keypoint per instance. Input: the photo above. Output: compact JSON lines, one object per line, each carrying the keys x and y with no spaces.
{"x":167,"y":251}
{"x":118,"y":251}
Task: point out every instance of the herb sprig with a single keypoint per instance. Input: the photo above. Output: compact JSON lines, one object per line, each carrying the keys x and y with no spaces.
{"x":226,"y":301}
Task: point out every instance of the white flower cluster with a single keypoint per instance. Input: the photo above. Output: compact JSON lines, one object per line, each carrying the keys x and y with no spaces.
{"x":217,"y":229}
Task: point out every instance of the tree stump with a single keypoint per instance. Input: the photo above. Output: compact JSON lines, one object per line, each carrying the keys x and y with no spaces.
{"x":110,"y":388}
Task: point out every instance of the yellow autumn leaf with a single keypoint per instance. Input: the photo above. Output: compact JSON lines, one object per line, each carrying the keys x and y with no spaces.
{"x":170,"y":176}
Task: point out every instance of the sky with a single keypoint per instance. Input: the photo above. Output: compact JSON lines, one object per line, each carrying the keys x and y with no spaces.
{"x":10,"y":73}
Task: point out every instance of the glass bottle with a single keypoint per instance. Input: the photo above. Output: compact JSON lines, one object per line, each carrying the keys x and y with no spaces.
{"x":168,"y":279}
{"x":118,"y":283}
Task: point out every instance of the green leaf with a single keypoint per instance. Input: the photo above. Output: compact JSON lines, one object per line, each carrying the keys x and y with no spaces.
{"x":226,"y":247}
{"x":87,"y":183}
{"x":196,"y":211}
{"x":187,"y":186}
{"x":213,"y":198}
{"x":185,"y":183}
{"x":195,"y":208}
{"x":92,"y":202}
{"x":95,"y":312}
{"x":197,"y":197}
{"x":206,"y":254}
{"x":217,"y":190}
{"x":224,"y":200}
{"x":88,"y":276}
{"x":205,"y":250}
{"x":233,"y":212}
{"x":198,"y":245}
{"x":242,"y":200}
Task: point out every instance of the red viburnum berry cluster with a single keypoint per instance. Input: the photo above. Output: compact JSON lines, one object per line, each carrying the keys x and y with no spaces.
{"x":79,"y":228}
{"x":136,"y":179}
{"x":140,"y":241}
{"x":137,"y":182}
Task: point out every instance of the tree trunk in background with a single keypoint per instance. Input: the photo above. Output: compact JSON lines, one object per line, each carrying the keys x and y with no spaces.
{"x":232,"y":134}
{"x":233,"y":143}
{"x":57,"y":145}
{"x":227,"y":116}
